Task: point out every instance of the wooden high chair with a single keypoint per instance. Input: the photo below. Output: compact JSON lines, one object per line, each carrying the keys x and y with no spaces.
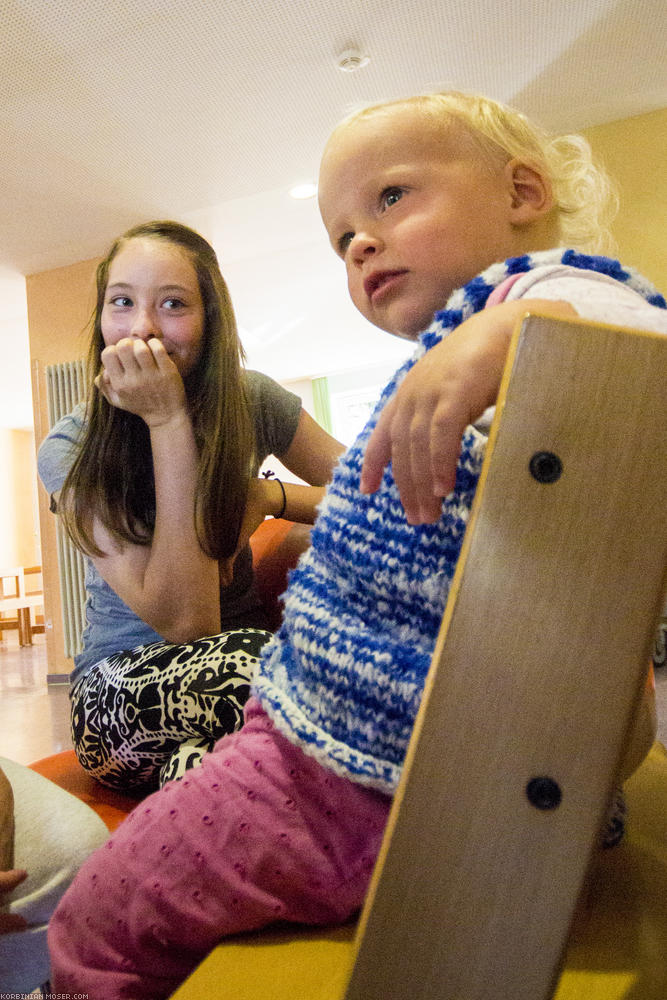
{"x":490,"y":884}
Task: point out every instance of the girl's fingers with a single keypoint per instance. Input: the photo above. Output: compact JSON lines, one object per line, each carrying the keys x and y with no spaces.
{"x":111,"y":362}
{"x":135,"y":356}
{"x":226,"y":571}
{"x":102,"y":383}
{"x":12,"y":922}
{"x":160,"y":356}
{"x":10,"y":879}
{"x":132,"y":357}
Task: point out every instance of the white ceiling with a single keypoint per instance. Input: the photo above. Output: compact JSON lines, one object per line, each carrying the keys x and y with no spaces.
{"x":117,"y":111}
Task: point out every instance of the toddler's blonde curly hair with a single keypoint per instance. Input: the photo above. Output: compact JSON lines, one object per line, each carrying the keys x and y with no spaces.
{"x":585,"y":198}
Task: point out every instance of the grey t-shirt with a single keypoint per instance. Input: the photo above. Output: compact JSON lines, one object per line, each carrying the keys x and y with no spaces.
{"x":111,"y":626}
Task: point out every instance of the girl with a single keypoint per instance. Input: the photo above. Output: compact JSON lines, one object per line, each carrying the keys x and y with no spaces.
{"x":159,"y":490}
{"x":445,"y":203}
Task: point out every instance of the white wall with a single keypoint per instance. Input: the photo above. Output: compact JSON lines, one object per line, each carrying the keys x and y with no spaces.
{"x":15,"y":392}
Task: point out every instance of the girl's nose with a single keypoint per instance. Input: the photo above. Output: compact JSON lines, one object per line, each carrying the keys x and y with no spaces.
{"x":144,"y":325}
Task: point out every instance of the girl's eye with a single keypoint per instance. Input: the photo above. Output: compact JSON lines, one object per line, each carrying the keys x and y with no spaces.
{"x":121,"y":300}
{"x":344,"y":242}
{"x":390,"y":196}
{"x":173,"y":304}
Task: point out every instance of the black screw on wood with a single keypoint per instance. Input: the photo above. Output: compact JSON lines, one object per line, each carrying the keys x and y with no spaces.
{"x":544,"y":793}
{"x":545,"y":467}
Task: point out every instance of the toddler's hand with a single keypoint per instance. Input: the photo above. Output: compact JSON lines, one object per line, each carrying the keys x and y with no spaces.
{"x":420,"y":429}
{"x":139,"y":376}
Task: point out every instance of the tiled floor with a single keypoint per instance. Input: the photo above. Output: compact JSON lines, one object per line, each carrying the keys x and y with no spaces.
{"x":34,"y":718}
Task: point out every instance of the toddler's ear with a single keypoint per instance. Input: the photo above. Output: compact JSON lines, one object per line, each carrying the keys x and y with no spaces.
{"x":530,"y":192}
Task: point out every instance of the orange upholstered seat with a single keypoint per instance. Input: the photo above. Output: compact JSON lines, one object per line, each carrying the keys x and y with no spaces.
{"x":63,"y":769}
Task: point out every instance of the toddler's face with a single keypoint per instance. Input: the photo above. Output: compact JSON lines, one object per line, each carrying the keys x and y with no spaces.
{"x":414,"y":214}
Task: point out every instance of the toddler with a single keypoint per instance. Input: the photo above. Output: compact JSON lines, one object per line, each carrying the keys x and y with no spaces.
{"x":448,"y":212}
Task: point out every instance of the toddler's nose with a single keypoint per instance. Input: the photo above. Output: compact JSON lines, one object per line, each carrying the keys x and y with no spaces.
{"x":363,"y":245}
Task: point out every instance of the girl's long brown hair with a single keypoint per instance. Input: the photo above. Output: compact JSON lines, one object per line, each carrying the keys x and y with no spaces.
{"x":112,"y":476}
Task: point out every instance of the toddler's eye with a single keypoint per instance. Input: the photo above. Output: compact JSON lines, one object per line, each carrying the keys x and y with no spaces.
{"x":390,"y":196}
{"x":344,"y":242}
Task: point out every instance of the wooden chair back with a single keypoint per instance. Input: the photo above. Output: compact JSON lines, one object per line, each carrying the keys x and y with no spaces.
{"x":538,"y":674}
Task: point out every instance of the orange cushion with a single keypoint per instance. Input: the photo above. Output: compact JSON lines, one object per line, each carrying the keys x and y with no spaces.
{"x":63,"y":769}
{"x":276,"y":546}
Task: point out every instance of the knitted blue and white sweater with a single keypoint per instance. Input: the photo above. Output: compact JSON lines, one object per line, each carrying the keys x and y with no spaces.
{"x":344,"y":676}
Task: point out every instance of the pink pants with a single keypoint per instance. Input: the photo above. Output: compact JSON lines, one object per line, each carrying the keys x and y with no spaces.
{"x":258,"y":833}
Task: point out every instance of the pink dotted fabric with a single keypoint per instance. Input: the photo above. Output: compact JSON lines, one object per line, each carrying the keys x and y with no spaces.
{"x":258,"y":833}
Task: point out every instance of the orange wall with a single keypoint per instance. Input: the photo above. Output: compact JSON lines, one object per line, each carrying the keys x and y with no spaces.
{"x":60,"y":303}
{"x":634,"y":151}
{"x":18,"y":501}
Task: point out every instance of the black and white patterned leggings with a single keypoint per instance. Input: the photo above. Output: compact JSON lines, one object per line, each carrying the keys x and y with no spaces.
{"x":143,"y":716}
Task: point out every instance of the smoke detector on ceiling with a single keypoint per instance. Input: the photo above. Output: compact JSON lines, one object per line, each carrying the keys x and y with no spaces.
{"x":350,"y":60}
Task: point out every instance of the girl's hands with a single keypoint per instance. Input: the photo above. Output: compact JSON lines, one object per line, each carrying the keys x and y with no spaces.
{"x":11,"y":921}
{"x":420,"y":429}
{"x":140,"y":377}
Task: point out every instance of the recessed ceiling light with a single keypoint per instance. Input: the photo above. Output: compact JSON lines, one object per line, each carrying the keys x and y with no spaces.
{"x":303,"y":191}
{"x":351,"y":60}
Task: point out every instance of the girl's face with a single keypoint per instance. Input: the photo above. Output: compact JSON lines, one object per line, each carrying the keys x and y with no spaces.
{"x":414,"y":214}
{"x":153,"y":291}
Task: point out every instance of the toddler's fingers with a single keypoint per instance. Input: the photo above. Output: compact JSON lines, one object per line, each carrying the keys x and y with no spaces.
{"x":416,"y":485}
{"x":407,"y":476}
{"x":378,"y":452}
{"x":444,"y":451}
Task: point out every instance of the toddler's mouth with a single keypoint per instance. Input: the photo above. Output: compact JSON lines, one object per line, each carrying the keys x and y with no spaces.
{"x":379,"y":280}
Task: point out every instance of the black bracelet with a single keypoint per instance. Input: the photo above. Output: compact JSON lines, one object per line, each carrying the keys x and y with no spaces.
{"x":271,"y":475}
{"x":284,"y":506}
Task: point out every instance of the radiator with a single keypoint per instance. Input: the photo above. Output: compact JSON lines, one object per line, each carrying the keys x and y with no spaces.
{"x":65,"y":387}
